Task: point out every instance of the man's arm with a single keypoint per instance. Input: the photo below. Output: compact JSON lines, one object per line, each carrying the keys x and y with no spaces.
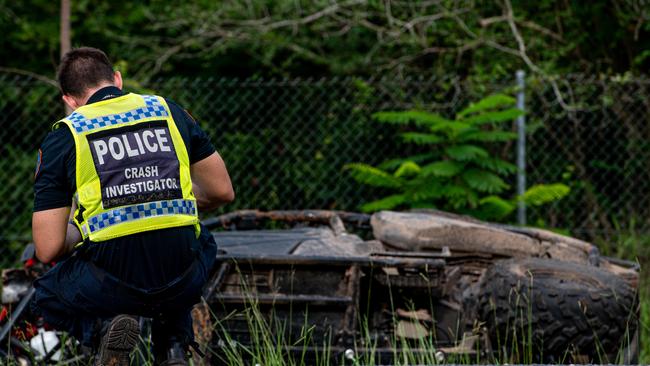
{"x":53,"y":236}
{"x":211,"y":182}
{"x":54,"y":188}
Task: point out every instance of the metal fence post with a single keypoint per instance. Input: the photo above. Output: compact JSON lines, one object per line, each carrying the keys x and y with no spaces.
{"x":521,"y":148}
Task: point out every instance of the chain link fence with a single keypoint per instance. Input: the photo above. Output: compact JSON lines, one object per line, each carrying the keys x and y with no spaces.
{"x":286,"y":142}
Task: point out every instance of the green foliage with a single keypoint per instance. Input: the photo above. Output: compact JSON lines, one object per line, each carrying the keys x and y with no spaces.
{"x":372,"y":176}
{"x":541,"y":194}
{"x":458,"y":171}
{"x":290,"y":38}
{"x":489,"y":103}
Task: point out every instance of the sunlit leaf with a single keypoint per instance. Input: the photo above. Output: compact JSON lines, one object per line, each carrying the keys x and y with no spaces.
{"x":491,"y":102}
{"x":407,"y":169}
{"x":387,"y":203}
{"x":419,"y":118}
{"x":395,"y":163}
{"x":372,"y":176}
{"x":541,"y":194}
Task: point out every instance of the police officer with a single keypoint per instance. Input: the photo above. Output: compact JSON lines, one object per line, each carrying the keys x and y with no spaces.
{"x":117,"y":191}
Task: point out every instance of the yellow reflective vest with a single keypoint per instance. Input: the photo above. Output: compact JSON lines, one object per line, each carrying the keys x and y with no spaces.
{"x":132,"y":168}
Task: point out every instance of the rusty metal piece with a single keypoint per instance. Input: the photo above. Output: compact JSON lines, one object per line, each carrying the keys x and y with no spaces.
{"x":424,"y":263}
{"x":336,"y":224}
{"x":441,"y":254}
{"x":352,"y":290}
{"x":289,"y":216}
{"x":419,"y":315}
{"x":280,"y":299}
{"x":411,"y":330}
{"x":203,"y":328}
{"x":467,"y":346}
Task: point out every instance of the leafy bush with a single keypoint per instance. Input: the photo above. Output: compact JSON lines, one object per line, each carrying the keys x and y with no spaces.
{"x":457,"y":169}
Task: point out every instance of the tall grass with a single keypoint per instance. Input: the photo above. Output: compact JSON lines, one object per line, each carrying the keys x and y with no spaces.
{"x":631,"y":243}
{"x":269,"y":343}
{"x":270,"y":346}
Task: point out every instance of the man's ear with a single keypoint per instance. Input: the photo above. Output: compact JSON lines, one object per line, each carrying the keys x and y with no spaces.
{"x":70,"y":102}
{"x":117,"y":79}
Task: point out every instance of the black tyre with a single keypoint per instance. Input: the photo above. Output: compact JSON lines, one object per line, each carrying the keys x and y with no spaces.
{"x":542,"y":310}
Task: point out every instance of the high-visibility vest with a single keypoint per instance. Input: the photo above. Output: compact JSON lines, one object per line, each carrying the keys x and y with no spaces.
{"x":132,"y":168}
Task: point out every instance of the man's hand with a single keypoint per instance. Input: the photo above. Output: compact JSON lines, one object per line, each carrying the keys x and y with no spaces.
{"x":211,"y":183}
{"x":53,"y":236}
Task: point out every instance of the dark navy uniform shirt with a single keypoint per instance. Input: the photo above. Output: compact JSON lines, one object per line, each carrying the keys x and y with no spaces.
{"x":149,"y":259}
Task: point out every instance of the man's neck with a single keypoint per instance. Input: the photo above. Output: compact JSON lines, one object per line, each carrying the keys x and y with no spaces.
{"x":89,"y":92}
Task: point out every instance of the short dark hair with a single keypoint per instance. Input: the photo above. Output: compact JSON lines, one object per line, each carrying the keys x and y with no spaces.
{"x":83,"y":68}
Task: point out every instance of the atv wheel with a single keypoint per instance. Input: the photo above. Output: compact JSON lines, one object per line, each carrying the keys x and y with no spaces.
{"x":542,"y":310}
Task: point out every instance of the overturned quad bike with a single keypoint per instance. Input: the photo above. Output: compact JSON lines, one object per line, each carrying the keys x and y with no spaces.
{"x":328,"y":287}
{"x":369,"y":289}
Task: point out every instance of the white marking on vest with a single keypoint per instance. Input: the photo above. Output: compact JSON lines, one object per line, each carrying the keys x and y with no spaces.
{"x":141,"y":172}
{"x":101,"y":149}
{"x":145,"y":136}
{"x":130,"y":152}
{"x":154,"y":185}
{"x":162,"y":140}
{"x":116,"y":148}
{"x":139,"y":142}
{"x":119,"y":146}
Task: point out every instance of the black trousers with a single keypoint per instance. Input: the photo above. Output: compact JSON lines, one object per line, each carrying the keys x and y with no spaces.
{"x":77,"y":297}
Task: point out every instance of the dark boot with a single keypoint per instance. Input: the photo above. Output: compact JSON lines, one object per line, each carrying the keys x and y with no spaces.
{"x":174,"y":355}
{"x":118,"y":341}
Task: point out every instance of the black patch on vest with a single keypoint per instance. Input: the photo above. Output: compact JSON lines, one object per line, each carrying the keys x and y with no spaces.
{"x":136,"y":164}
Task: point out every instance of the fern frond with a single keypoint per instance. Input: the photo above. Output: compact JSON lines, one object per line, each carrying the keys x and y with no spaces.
{"x":484,"y":181}
{"x":444,"y":168}
{"x":494,"y":117}
{"x":494,"y":208}
{"x":419,"y":118}
{"x":419,"y":138}
{"x":541,"y":194}
{"x":491,"y":102}
{"x":466,"y":152}
{"x":424,"y":191}
{"x":460,"y":196}
{"x":395,"y":163}
{"x":408,"y":168}
{"x":487,"y":136}
{"x":386,"y":203}
{"x":451,"y":126}
{"x":496,"y":165}
{"x":367,"y":174}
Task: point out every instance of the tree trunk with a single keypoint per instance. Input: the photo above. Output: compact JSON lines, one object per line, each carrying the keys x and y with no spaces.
{"x":64,"y":35}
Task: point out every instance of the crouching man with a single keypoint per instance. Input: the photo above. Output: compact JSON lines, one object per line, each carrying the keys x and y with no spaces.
{"x":139,"y":169}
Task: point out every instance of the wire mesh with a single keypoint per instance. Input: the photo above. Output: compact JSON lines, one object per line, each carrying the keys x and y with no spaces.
{"x":286,"y":141}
